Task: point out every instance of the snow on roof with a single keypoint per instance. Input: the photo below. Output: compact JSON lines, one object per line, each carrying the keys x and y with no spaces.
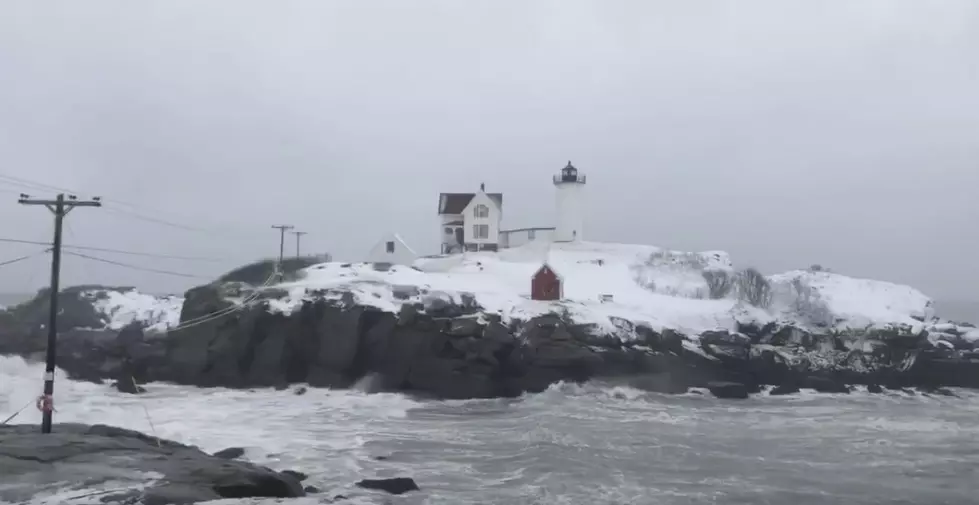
{"x":398,"y":238}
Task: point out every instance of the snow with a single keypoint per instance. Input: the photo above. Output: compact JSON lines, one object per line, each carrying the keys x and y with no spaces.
{"x":650,"y":285}
{"x":120,"y":308}
{"x":647,"y":285}
{"x":844,"y":302}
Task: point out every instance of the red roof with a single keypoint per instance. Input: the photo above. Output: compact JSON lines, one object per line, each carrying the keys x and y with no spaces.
{"x":455,"y":203}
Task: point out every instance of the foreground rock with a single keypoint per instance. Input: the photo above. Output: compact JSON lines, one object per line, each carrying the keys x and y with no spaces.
{"x":121,"y":462}
{"x":731,"y":390}
{"x":396,"y":485}
{"x":437,"y":347}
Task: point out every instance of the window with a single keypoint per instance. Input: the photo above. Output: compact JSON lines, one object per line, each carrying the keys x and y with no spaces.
{"x":480,"y":231}
{"x":390,"y":246}
{"x":448,"y":230}
{"x":481,"y":211}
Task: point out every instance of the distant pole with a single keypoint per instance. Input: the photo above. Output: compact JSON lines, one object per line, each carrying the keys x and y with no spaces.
{"x":298,"y":235}
{"x":60,"y":207}
{"x":282,"y":245}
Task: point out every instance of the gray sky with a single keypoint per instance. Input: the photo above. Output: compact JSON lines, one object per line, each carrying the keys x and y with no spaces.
{"x":787,"y":133}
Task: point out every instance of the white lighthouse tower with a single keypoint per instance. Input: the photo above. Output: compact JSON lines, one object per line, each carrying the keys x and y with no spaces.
{"x":570,"y":195}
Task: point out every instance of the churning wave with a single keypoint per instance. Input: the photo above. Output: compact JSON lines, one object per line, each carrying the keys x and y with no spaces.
{"x":572,"y":444}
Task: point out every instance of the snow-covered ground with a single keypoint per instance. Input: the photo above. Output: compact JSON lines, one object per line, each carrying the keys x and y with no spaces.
{"x":646,"y":284}
{"x":662,"y":288}
{"x":120,"y":308}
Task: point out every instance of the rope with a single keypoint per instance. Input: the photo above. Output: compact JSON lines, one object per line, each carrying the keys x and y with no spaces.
{"x":15,"y":414}
{"x":147,"y":412}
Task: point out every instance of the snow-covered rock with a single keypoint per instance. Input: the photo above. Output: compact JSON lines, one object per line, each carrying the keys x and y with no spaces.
{"x":122,"y":308}
{"x":834,"y":301}
{"x":648,"y":285}
{"x":603,"y":283}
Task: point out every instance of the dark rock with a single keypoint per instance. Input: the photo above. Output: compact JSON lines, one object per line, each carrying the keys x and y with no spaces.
{"x":231,"y":453}
{"x":784,"y":389}
{"x":826,"y":385}
{"x":724,"y":338}
{"x":396,"y":485}
{"x":874,"y":388}
{"x":464,"y":327}
{"x":297,"y":475}
{"x":311,"y":489}
{"x":728,"y":390}
{"x":75,"y":453}
{"x":299,"y":391}
{"x":128,"y":386}
{"x":435,"y":346}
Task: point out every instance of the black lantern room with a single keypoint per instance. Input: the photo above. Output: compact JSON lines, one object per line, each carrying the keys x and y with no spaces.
{"x":569,"y":174}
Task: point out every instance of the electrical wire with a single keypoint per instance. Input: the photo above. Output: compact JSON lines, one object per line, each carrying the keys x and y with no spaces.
{"x":111,"y":250}
{"x":248,"y":301}
{"x":22,"y":258}
{"x":32,"y":185}
{"x":135,"y":267}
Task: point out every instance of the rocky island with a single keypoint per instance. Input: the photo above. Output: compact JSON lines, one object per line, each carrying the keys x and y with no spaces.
{"x":465,"y":326}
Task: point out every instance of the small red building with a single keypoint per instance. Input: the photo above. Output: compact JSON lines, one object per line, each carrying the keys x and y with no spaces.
{"x":546,"y":284}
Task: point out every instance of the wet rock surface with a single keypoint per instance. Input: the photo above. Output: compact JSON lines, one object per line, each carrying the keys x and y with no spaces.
{"x":130,"y":466}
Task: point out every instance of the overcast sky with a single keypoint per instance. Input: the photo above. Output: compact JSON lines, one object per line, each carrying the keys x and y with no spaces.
{"x":787,"y":133}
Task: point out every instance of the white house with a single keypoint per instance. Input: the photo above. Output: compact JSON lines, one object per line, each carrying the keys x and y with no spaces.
{"x":392,"y":249}
{"x":470,"y":221}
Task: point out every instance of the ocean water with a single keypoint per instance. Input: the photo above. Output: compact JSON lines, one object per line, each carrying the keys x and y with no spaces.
{"x":589,"y":444}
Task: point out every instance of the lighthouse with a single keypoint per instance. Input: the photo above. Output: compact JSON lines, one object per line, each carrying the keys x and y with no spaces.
{"x":570,"y":194}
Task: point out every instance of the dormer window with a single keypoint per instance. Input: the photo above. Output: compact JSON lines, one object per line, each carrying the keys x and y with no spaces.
{"x":481,"y":211}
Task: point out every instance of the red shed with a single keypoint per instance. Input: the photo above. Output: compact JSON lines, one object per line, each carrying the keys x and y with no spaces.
{"x":546,"y":284}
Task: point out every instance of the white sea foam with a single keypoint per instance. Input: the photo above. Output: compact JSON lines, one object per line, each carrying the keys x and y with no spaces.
{"x":569,"y":444}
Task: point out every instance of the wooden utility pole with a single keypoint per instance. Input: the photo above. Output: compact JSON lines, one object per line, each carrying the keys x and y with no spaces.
{"x":282,"y":245}
{"x":298,"y":235}
{"x":60,"y":207}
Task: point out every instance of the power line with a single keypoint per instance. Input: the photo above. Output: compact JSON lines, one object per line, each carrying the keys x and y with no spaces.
{"x":137,"y":267}
{"x":156,"y":220}
{"x":22,"y":258}
{"x":115,"y":251}
{"x":34,"y":185}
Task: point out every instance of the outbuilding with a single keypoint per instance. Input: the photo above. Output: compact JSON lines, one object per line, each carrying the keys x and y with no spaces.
{"x":392,"y":249}
{"x":546,"y":284}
